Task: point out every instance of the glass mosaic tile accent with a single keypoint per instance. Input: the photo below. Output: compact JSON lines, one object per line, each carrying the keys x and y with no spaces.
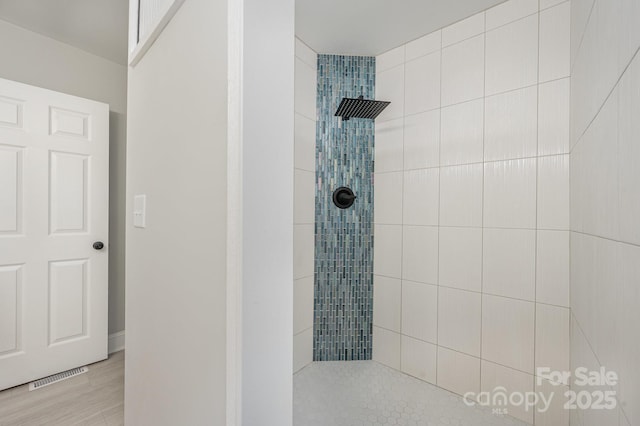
{"x":343,"y":296}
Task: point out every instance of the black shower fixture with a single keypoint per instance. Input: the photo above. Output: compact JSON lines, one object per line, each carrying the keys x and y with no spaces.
{"x":343,"y":197}
{"x":360,"y":108}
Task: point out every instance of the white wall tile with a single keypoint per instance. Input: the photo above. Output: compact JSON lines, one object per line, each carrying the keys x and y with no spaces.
{"x":303,"y":241}
{"x":462,"y":133}
{"x":512,"y":56}
{"x":386,"y":347}
{"x":511,"y":125}
{"x":420,"y":254}
{"x":594,"y":288}
{"x":305,"y":143}
{"x":457,"y":372}
{"x":555,"y":39}
{"x":582,"y":355}
{"x":553,"y":192}
{"x":422,"y":84}
{"x":418,"y":359}
{"x":461,"y":195}
{"x":580,"y":12}
{"x":628,"y":320}
{"x":459,"y":320}
{"x":304,"y":196}
{"x":420,"y":202}
{"x":510,"y":194}
{"x":600,"y":303}
{"x":420,"y":311}
{"x":508,"y":332}
{"x":461,"y":258}
{"x":596,"y":69}
{"x":387,"y":302}
{"x":509,"y":12}
{"x":390,"y":59}
{"x":494,"y":376}
{"x":463,"y":71}
{"x":387,"y":191}
{"x":629,"y":32}
{"x":389,"y":145}
{"x":302,"y":349}
{"x":390,"y":87}
{"x":510,"y":263}
{"x":305,"y":90}
{"x":545,"y":4}
{"x":302,"y":304}
{"x":387,"y":256}
{"x":421,"y":140}
{"x":552,"y":337}
{"x":629,"y":154}
{"x":556,"y":415}
{"x":553,"y":117}
{"x":306,"y":54}
{"x":552,"y":268}
{"x":423,"y":46}
{"x":463,"y":30}
{"x":595,"y":177}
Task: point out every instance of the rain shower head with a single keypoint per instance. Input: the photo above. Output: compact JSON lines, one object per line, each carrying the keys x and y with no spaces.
{"x":360,"y":108}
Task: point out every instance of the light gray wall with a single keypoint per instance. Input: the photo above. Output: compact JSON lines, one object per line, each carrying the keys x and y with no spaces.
{"x":267,"y":211}
{"x":34,"y":59}
{"x":176,"y":267}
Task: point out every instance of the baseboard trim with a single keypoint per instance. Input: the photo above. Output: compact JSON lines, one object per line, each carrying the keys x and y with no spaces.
{"x":116,"y":342}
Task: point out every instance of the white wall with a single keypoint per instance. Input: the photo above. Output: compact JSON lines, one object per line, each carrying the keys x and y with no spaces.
{"x":605,"y":200}
{"x":267,"y":211}
{"x":176,"y":266}
{"x":304,"y":203}
{"x":34,"y":59}
{"x":471,"y":286}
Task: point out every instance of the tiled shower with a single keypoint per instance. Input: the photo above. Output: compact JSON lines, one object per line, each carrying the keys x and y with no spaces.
{"x":343,"y":290}
{"x":504,"y":208}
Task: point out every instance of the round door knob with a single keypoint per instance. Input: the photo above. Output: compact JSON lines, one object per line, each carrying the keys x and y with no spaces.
{"x":98,"y":245}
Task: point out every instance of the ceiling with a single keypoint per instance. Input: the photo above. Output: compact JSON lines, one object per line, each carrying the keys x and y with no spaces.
{"x":95,"y":26}
{"x":371,"y":27}
{"x":350,"y":27}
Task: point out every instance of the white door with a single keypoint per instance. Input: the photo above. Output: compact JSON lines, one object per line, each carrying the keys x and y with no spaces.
{"x":54,"y":203}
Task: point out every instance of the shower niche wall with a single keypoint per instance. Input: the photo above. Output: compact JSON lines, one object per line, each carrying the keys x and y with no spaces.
{"x":343,"y":291}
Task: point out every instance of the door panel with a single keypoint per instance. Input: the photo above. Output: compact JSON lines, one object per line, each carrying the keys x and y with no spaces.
{"x":54,"y":202}
{"x":10,"y":112}
{"x":67,"y":300}
{"x":11,"y":189}
{"x":68,"y":192}
{"x":69,"y":123}
{"x":10,"y":308}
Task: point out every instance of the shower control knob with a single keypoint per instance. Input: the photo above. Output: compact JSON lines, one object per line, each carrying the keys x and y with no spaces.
{"x":98,"y":245}
{"x":343,"y":197}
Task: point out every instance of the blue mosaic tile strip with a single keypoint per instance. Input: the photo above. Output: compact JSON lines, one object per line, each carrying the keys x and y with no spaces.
{"x":343,"y":298}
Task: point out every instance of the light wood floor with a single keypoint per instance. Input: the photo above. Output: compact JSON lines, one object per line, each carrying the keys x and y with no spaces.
{"x":95,"y":398}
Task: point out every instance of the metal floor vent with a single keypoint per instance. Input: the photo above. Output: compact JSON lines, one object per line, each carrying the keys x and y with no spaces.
{"x":57,"y":378}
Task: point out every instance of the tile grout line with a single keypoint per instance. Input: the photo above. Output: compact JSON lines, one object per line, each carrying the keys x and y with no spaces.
{"x":535,"y":252}
{"x":484,"y":93}
{"x":404,"y":82}
{"x":439,"y":208}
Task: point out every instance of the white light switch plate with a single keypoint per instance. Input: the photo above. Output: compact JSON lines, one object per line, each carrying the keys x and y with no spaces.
{"x":140,"y":211}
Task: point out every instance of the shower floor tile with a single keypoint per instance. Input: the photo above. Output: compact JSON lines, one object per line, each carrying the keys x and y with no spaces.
{"x":364,"y":393}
